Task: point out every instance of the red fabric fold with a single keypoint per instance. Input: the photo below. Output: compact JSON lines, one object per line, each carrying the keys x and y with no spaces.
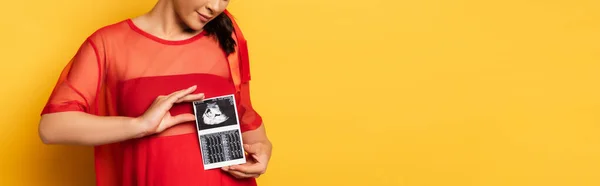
{"x":116,"y":54}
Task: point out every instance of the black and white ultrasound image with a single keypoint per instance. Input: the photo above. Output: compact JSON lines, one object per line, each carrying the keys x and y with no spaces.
{"x":221,"y":146}
{"x":216,"y":112}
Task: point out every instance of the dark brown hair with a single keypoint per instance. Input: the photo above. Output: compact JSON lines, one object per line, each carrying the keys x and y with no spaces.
{"x":222,"y":27}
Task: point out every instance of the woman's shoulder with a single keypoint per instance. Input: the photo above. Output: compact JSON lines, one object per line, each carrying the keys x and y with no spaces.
{"x":114,"y":31}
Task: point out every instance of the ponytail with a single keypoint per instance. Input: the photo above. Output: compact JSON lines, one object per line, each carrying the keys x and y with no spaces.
{"x":222,"y":27}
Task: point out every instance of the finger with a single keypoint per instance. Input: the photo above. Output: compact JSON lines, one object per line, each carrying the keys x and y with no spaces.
{"x":244,"y":175}
{"x":252,"y":149}
{"x":166,"y":102}
{"x":191,"y":97}
{"x":181,"y":118}
{"x":180,"y":94}
{"x":256,"y":158}
{"x":240,"y":175}
{"x":253,"y":168}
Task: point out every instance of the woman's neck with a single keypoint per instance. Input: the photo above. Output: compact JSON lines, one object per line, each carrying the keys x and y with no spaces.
{"x":163,"y":22}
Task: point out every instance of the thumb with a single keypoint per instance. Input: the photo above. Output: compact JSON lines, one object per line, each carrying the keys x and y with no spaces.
{"x":252,"y":149}
{"x":181,"y":118}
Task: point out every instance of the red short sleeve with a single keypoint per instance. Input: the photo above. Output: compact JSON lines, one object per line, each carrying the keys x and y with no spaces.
{"x":79,"y":81}
{"x":240,"y":68}
{"x":249,"y":118}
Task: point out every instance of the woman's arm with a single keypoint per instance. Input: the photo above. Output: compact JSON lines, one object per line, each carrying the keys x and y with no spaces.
{"x":258,"y":135}
{"x":80,"y":128}
{"x":259,"y":148}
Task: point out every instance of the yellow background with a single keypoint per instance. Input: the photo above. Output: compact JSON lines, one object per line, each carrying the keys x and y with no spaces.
{"x":377,"y":92}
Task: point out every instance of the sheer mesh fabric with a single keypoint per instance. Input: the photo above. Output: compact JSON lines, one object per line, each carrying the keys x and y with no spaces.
{"x":122,"y":52}
{"x":120,"y":69}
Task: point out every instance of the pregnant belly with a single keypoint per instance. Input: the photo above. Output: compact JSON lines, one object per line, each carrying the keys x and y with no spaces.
{"x":136,"y":95}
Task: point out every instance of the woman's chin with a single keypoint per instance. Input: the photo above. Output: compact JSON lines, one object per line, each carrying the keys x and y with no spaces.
{"x":194,"y":25}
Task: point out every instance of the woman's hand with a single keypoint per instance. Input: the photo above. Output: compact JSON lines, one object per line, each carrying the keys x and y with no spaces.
{"x":256,"y":164}
{"x":157,"y":117}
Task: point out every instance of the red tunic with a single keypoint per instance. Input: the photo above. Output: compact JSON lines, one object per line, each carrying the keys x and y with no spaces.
{"x":119,"y":71}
